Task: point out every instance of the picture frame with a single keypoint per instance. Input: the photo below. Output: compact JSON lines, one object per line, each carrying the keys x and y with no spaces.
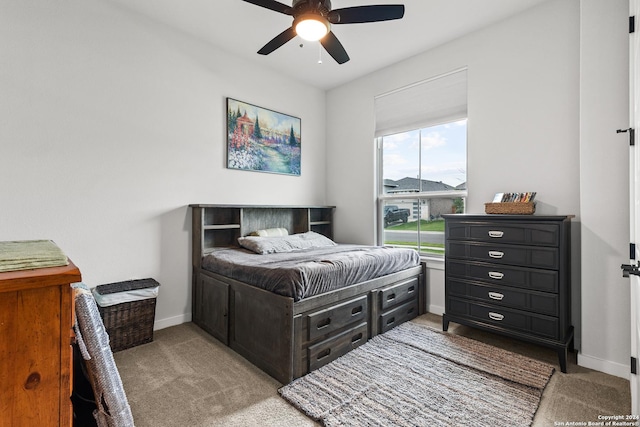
{"x":262,"y":140}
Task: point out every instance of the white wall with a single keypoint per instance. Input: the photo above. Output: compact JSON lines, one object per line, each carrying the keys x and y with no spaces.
{"x":112,"y":124}
{"x":604,"y":180}
{"x":524,"y":127}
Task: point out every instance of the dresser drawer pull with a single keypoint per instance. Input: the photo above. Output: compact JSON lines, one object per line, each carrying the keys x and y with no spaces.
{"x":496,"y":233}
{"x":496,"y":296}
{"x":496,"y":254}
{"x":495,"y":316}
{"x":496,"y":275}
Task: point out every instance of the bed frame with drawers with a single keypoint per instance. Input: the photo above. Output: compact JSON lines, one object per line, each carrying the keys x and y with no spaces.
{"x":283,"y":337}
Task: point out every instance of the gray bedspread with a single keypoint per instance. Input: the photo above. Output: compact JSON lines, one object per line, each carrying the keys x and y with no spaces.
{"x":309,"y":272}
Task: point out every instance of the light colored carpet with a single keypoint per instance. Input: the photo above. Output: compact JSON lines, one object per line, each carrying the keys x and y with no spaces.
{"x":415,"y":375}
{"x":187,"y":378}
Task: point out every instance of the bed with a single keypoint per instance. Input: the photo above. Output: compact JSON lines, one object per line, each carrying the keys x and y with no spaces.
{"x":290,"y":311}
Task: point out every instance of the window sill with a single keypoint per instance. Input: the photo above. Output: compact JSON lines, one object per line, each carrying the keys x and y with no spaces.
{"x":433,"y":263}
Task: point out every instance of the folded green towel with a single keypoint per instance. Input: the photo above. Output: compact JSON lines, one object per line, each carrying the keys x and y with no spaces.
{"x":28,"y":254}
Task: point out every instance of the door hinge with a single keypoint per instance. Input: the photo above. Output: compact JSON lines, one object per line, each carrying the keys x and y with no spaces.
{"x":634,"y":365}
{"x":632,"y":251}
{"x":632,"y":134}
{"x":632,"y":24}
{"x":630,"y":269}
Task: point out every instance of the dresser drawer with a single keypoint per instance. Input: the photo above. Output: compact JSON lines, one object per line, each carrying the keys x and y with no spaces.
{"x":504,"y":275}
{"x":511,"y":233}
{"x":335,"y":317}
{"x":536,"y":302}
{"x":330,"y":349}
{"x":528,"y":256}
{"x":535,"y":324}
{"x":396,"y":316}
{"x":399,"y":293}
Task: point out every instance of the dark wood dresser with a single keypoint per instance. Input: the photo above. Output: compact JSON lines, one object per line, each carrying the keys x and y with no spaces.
{"x":511,"y":274}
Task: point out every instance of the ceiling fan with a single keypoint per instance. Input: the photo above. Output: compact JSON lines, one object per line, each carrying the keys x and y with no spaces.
{"x":312,"y":21}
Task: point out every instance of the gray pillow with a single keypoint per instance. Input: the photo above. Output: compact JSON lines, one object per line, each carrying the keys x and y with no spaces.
{"x":294,"y":242}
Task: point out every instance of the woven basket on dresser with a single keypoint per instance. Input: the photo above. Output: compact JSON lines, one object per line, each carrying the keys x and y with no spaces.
{"x":131,"y":323}
{"x":510,"y":208}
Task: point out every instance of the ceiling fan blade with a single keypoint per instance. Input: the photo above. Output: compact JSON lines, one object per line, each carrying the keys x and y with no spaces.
{"x":278,"y":41}
{"x":333,"y":46}
{"x":272,"y":5}
{"x":362,"y":14}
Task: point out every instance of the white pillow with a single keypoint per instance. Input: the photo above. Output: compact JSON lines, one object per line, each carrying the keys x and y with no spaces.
{"x":271,"y":232}
{"x":270,"y":245}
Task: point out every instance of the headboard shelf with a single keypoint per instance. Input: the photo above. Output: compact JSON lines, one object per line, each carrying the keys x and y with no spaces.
{"x":220,"y":226}
{"x":216,"y":226}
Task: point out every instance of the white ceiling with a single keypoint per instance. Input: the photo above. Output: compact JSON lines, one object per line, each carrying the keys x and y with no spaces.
{"x":243,"y":28}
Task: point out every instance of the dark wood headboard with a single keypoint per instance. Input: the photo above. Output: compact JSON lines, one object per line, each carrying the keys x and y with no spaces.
{"x":215,"y":226}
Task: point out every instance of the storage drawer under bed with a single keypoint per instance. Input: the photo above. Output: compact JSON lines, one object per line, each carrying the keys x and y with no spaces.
{"x":396,"y":316}
{"x":330,"y":349}
{"x":398,"y":293}
{"x":335,"y":317}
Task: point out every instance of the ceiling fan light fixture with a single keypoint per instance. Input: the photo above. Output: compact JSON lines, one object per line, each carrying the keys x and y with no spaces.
{"x":311,"y":27}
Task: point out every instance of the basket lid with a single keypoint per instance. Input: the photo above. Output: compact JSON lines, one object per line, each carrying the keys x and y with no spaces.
{"x":128,"y":285}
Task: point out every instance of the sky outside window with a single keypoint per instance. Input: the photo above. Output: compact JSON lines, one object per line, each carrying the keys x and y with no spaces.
{"x":444,"y":154}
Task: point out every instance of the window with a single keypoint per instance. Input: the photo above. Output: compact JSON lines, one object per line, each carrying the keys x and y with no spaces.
{"x":421,"y":135}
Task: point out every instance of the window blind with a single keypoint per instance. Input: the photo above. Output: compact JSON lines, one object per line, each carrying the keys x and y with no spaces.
{"x":427,"y":103}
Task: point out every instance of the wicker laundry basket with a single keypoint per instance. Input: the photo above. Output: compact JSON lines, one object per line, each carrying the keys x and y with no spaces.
{"x":130,"y":323}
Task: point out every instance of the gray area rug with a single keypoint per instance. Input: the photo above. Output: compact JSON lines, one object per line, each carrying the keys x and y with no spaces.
{"x":418,"y":376}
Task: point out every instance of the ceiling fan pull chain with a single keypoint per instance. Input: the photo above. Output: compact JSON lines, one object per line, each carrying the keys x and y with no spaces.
{"x":319,"y":53}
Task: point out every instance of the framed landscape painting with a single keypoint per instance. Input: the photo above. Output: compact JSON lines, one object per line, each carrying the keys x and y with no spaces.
{"x":262,"y":140}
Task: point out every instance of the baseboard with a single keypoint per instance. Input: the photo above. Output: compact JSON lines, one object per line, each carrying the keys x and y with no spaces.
{"x":435,"y":309}
{"x":172,"y":321}
{"x":606,"y":366}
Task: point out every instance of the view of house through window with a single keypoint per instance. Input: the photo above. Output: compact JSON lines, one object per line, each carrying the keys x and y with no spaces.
{"x":423,"y":174}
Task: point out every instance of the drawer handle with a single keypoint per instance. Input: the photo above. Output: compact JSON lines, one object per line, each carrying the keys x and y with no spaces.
{"x":356,"y":338}
{"x":324,"y":354}
{"x":411,"y":289}
{"x":356,"y":310}
{"x":390,"y":321}
{"x":496,"y":316}
{"x":496,"y":296}
{"x":496,"y":275}
{"x":496,"y":234}
{"x":324,"y":323}
{"x":496,"y":254}
{"x":391,"y":297}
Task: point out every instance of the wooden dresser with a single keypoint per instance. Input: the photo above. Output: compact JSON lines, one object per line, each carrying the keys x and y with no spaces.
{"x":510,"y":274}
{"x":36,"y":315}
